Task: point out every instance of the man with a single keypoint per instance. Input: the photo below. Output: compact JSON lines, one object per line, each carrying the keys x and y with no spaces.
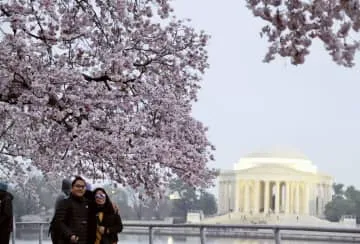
{"x":65,"y":192}
{"x":75,"y":221}
{"x":6,"y":214}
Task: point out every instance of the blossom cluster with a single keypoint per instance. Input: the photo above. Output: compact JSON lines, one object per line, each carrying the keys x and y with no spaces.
{"x":293,"y":25}
{"x":105,"y":89}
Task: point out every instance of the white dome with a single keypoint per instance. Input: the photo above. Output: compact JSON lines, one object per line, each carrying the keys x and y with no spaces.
{"x":289,"y":158}
{"x":278,"y":152}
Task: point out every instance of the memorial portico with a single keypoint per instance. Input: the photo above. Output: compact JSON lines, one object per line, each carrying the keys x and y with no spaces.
{"x":274,"y":182}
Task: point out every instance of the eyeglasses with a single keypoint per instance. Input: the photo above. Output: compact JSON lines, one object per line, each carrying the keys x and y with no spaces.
{"x":100,"y":196}
{"x":80,"y":186}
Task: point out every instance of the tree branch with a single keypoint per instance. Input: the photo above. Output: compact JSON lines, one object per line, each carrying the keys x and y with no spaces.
{"x":8,"y":128}
{"x":103,"y":78}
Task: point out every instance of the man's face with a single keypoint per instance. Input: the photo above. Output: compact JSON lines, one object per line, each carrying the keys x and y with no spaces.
{"x":78,"y":189}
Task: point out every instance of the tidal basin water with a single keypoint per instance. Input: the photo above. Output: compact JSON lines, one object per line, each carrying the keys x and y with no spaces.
{"x":140,"y":239}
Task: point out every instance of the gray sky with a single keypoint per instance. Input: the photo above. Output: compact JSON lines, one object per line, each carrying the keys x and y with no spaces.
{"x":249,"y":105}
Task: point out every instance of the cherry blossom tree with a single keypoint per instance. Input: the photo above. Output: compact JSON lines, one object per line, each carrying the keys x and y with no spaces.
{"x":292,"y":26}
{"x":18,"y":174}
{"x":104,"y":89}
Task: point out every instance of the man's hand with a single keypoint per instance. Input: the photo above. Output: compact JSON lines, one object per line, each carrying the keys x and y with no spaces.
{"x":74,"y":239}
{"x":101,"y":229}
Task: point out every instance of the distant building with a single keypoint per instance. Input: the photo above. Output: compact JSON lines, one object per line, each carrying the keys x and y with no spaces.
{"x":276,"y":181}
{"x":194,"y":216}
{"x":348,"y":220}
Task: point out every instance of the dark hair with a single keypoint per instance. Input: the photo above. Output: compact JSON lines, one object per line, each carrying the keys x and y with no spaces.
{"x":76,"y":179}
{"x":108,"y":207}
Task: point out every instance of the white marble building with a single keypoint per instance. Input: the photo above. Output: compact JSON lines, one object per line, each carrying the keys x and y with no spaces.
{"x":277,"y":181}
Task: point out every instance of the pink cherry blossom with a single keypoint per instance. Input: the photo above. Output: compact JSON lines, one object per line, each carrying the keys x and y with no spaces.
{"x":293,"y":24}
{"x":101,"y":88}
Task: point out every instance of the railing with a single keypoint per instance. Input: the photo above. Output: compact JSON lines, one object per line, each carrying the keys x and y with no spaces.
{"x":203,"y":228}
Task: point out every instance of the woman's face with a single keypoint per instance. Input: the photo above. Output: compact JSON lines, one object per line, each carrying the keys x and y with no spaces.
{"x":100,"y":197}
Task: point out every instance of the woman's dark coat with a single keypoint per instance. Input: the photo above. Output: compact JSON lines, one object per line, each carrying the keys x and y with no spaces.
{"x":111,"y":220}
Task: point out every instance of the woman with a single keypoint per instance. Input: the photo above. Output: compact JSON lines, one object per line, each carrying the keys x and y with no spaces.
{"x":109,"y":223}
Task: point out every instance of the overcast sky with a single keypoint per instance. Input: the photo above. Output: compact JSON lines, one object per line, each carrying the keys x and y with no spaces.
{"x":249,"y":105}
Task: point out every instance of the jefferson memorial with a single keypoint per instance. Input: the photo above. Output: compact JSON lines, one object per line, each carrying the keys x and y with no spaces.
{"x":274,"y":182}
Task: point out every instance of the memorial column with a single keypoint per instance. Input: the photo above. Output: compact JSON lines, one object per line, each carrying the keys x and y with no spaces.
{"x":287,"y":202}
{"x":237,"y":195}
{"x":266,"y":197}
{"x":277,"y":197}
{"x":297,"y":198}
{"x":246,"y":197}
{"x":256,"y":196}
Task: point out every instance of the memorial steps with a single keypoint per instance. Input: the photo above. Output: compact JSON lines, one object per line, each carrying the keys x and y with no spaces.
{"x":241,"y":218}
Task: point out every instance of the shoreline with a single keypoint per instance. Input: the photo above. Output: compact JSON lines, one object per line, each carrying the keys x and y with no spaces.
{"x":248,"y":234}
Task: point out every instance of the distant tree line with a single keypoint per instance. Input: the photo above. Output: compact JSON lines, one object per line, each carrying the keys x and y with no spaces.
{"x":344,"y":202}
{"x":131,"y":207}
